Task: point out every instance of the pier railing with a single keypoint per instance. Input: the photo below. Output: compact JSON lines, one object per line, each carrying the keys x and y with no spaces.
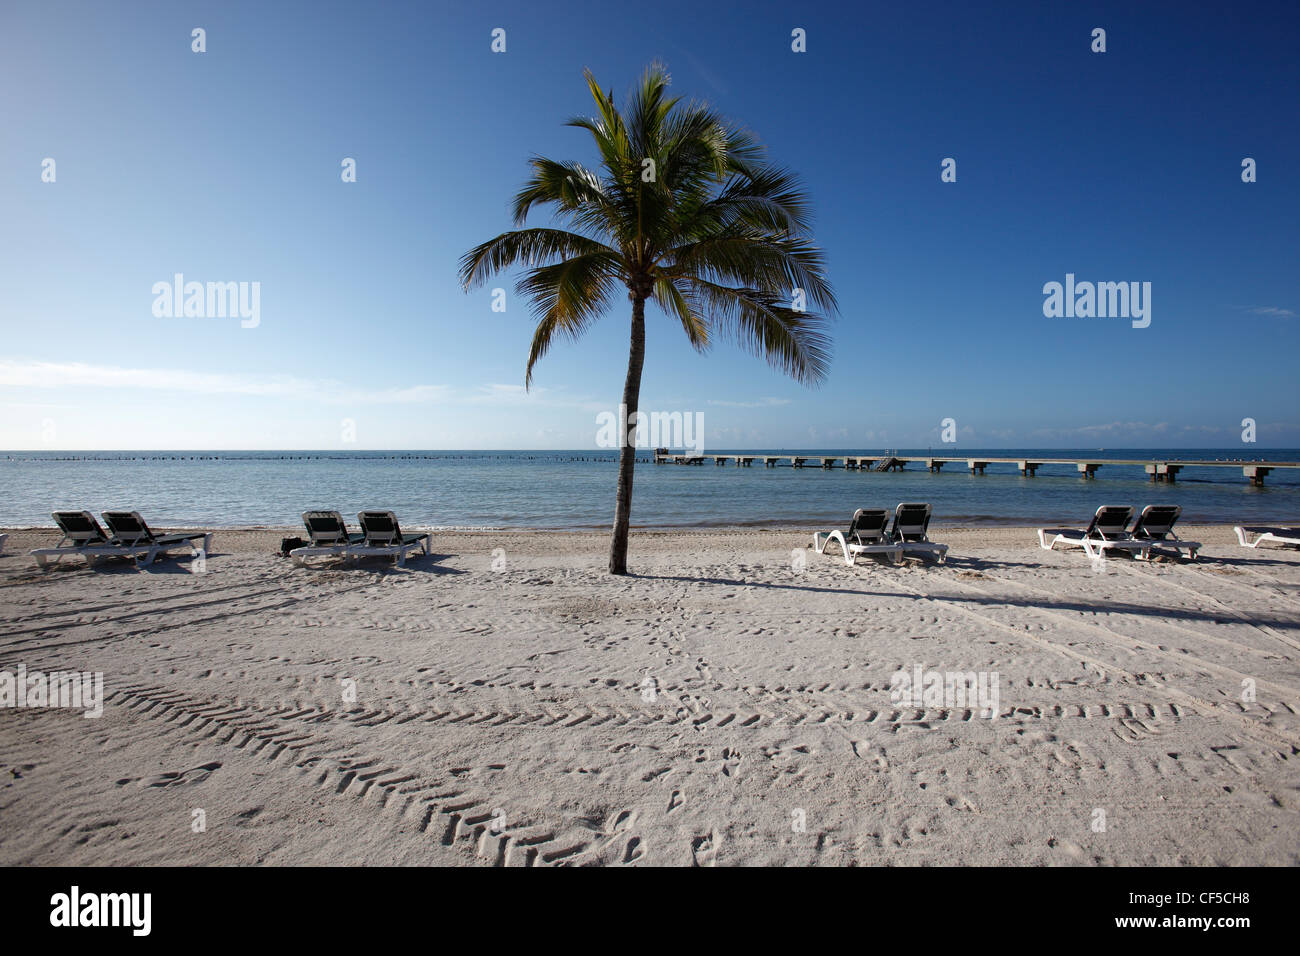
{"x":1161,"y":471}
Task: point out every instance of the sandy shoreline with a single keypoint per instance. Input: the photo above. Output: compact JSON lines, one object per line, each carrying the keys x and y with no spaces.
{"x":501,"y":712}
{"x":260,"y":537}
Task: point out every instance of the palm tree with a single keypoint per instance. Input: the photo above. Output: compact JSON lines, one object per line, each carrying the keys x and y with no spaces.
{"x":684,"y":210}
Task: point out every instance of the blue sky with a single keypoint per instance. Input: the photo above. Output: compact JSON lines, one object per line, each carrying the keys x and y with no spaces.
{"x":225,"y":166}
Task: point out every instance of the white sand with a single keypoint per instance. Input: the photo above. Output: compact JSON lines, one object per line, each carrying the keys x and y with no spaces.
{"x":518,"y":692}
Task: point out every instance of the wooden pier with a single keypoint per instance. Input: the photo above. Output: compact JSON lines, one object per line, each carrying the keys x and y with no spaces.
{"x":1087,"y":468}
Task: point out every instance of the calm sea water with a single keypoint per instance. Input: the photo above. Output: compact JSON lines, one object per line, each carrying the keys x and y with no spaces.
{"x":576,"y":489}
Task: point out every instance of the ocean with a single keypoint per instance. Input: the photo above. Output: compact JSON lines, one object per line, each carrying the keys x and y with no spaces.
{"x":575,"y":489}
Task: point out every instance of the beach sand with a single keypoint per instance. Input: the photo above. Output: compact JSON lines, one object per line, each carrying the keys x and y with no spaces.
{"x":722,"y":706}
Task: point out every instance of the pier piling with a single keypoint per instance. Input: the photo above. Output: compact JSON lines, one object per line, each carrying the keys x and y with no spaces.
{"x":1157,"y":471}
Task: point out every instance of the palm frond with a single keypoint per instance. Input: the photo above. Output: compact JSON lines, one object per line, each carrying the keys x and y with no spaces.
{"x":776,"y":265}
{"x":568,"y":296}
{"x":568,"y":186}
{"x":766,"y":197}
{"x":675,"y":303}
{"x":760,"y":323}
{"x":528,"y":247}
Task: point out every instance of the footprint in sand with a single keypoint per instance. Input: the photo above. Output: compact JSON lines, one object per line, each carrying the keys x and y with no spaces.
{"x":612,"y":831}
{"x":176,"y":778}
{"x":675,"y":801}
{"x":864,"y":750}
{"x":89,"y":831}
{"x":635,"y":850}
{"x":620,"y":822}
{"x":731,"y":762}
{"x":245,"y":817}
{"x":1133,"y":730}
{"x":704,"y":850}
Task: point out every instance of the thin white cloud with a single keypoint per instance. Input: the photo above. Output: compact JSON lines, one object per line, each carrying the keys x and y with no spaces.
{"x":1272,"y":310}
{"x":1111,"y":428}
{"x":33,"y":374}
{"x":497,"y":394}
{"x":1138,"y":430}
{"x":30,"y":374}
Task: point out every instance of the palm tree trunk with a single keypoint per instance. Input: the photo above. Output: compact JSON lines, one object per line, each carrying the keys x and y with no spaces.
{"x":627,"y":449}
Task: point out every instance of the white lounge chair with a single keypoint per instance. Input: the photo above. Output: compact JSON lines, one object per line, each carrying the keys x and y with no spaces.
{"x":1108,"y":531}
{"x":910,"y":531}
{"x":131,"y":533}
{"x":383,"y":536}
{"x":82,"y":536}
{"x":1287,"y":537}
{"x":1155,"y":526}
{"x":868,"y":533}
{"x":329,"y":537}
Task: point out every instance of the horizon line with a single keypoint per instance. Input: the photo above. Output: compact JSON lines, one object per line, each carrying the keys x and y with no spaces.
{"x":614,"y":451}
